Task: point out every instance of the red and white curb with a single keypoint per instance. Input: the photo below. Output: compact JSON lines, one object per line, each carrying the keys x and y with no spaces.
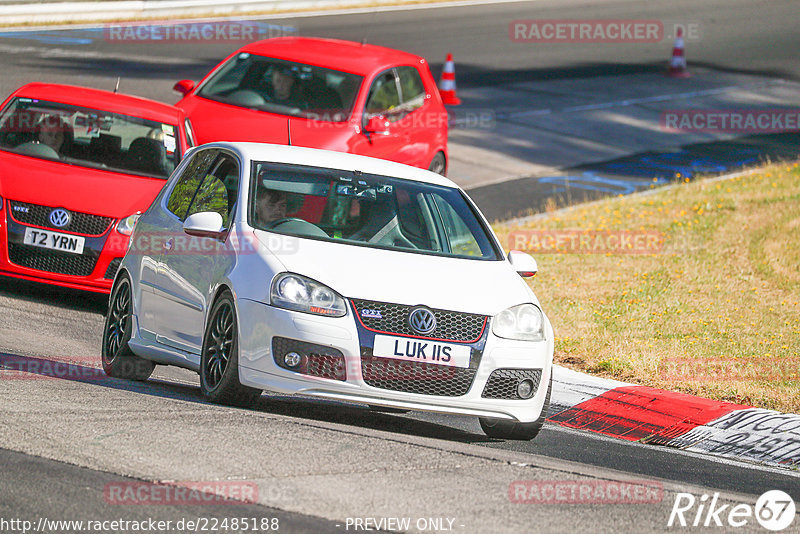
{"x":659,"y":417}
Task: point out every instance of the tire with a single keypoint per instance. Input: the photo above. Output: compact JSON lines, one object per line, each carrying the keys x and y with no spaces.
{"x":219,"y":360}
{"x":504,"y":429}
{"x":438,"y":164}
{"x":118,"y":359}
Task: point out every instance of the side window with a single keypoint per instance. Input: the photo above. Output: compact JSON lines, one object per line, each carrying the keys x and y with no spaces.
{"x":413,"y":91}
{"x":461,"y":239}
{"x":383,"y":96}
{"x":219,"y":189}
{"x":184,"y":191}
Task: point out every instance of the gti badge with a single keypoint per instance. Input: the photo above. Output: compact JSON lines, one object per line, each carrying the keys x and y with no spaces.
{"x":59,"y":217}
{"x":371,"y":314}
{"x":422,"y":321}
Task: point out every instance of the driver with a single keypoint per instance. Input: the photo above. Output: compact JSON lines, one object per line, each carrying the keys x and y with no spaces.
{"x":270,"y":205}
{"x":285,"y":88}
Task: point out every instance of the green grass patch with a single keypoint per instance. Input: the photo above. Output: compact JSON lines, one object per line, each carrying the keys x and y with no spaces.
{"x":714,"y":312}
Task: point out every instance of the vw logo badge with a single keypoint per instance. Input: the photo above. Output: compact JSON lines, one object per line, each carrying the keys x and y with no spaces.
{"x":59,"y":217}
{"x":422,"y":321}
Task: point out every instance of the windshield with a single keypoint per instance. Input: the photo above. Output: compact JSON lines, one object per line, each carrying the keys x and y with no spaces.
{"x":88,"y":137}
{"x":283,"y":87}
{"x":367,"y":210}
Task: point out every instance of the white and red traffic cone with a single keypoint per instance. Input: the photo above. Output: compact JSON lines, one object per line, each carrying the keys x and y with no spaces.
{"x":677,"y":64}
{"x":447,"y":84}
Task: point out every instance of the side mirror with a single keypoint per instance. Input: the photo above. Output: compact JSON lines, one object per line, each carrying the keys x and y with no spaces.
{"x":523,"y":263}
{"x":183,"y":87}
{"x":377,"y":124}
{"x":204,"y":224}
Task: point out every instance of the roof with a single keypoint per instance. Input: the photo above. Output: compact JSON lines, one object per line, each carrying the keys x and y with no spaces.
{"x":347,"y":56}
{"x":331,"y":159}
{"x":134,"y":106}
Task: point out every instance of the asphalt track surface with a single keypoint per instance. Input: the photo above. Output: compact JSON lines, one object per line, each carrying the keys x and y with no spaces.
{"x":738,"y":35}
{"x":735,"y":35}
{"x":732,"y":36}
{"x":43,"y":487}
{"x":81,"y":493}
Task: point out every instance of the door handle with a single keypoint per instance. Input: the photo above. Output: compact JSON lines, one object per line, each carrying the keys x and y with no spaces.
{"x":168,"y":244}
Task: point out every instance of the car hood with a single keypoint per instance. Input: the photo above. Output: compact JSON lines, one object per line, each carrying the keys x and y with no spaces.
{"x":472,"y":286}
{"x":51,"y":183}
{"x":215,"y":121}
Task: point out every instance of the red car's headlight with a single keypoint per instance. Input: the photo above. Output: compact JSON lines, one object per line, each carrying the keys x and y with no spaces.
{"x":125,"y":226}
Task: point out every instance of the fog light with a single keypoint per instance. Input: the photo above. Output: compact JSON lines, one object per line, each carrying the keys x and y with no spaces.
{"x":292,"y":359}
{"x":525,"y":389}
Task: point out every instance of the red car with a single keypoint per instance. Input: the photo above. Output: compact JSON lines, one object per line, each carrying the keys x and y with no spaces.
{"x":77,"y":166}
{"x":323,"y":93}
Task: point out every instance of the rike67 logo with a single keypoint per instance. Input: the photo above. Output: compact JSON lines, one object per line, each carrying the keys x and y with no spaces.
{"x":774,"y":510}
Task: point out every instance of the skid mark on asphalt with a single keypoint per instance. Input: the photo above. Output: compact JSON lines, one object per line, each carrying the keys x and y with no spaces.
{"x":64,"y":53}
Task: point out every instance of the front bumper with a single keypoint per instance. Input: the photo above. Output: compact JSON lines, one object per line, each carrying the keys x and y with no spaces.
{"x":93,"y":270}
{"x":259,"y":323}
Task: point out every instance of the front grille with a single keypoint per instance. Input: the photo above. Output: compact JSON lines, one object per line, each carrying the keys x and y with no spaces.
{"x":413,"y":377}
{"x":80,"y":223}
{"x":50,"y":260}
{"x":502,"y":383}
{"x":113,"y":266}
{"x":318,"y":360}
{"x":450,"y":325}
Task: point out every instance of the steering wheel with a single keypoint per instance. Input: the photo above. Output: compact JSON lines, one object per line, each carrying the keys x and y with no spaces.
{"x":298,"y":227}
{"x":279,"y":222}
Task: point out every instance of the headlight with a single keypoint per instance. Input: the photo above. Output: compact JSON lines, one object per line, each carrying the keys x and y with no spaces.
{"x":126,"y":225}
{"x":295,"y":292}
{"x":524,"y":322}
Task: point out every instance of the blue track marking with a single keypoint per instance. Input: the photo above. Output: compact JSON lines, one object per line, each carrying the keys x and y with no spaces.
{"x":87,"y":36}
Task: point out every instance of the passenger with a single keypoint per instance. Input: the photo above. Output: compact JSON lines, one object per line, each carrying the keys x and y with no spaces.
{"x":55,"y":132}
{"x":156,"y":133}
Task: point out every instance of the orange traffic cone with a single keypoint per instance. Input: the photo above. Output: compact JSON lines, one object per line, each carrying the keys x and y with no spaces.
{"x":677,"y":64}
{"x":447,"y":84}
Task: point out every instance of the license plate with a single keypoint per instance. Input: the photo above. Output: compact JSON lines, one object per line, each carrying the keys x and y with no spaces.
{"x":53,"y":240}
{"x":421,"y":350}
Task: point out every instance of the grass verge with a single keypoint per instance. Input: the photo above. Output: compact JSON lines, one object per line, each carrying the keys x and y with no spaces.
{"x":707,"y":302}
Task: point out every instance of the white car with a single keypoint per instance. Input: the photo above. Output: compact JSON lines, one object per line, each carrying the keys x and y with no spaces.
{"x":378,"y":283}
